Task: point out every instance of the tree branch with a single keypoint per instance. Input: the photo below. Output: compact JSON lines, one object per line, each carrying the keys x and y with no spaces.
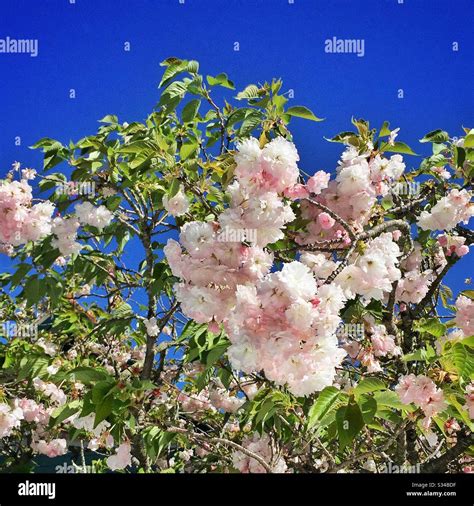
{"x":440,"y":464}
{"x":226,"y":442}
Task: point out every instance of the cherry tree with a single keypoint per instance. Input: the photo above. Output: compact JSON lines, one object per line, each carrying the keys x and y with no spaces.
{"x":183,"y":297}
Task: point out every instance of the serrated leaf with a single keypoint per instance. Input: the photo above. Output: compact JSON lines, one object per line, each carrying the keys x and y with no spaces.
{"x":463,"y":413}
{"x":469,"y":140}
{"x":65,"y":411}
{"x":369,"y":385}
{"x":252,"y":120}
{"x":385,"y":130}
{"x":463,"y":359}
{"x":32,"y":291}
{"x":349,"y":422}
{"x":250,"y":91}
{"x":221,"y":80}
{"x":301,"y":111}
{"x":88,"y":374}
{"x":103,"y":410}
{"x":400,"y":147}
{"x":342,"y":137}
{"x":174,"y":67}
{"x":432,"y":326}
{"x":325,"y":400}
{"x":190,"y":110}
{"x":368,"y":408}
{"x":436,"y":136}
{"x":32,"y":366}
{"x":390,"y":399}
{"x":110,"y":118}
{"x":187,"y":149}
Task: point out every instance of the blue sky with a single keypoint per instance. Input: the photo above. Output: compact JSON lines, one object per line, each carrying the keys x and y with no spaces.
{"x":408,"y":46}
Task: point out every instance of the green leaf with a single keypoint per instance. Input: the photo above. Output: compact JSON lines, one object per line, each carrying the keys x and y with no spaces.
{"x":252,"y":120}
{"x":190,"y":110}
{"x":369,"y":385}
{"x":469,"y":140}
{"x":113,"y":202}
{"x":174,"y":188}
{"x":301,"y":111}
{"x":32,"y":366}
{"x":173,"y":94}
{"x":432,"y":326}
{"x":222,"y":80}
{"x":174,"y":67}
{"x":436,"y":136}
{"x":45,"y":142}
{"x":349,"y":422}
{"x":423,"y":355}
{"x":22,"y":270}
{"x":65,"y":411}
{"x":362,"y":126}
{"x":266,"y":410}
{"x":468,"y":341}
{"x":251,"y":91}
{"x":390,"y":399}
{"x":156,"y":440}
{"x":326,"y":399}
{"x":385,"y":130}
{"x":468,"y":293}
{"x":343,"y":137}
{"x":459,"y":156}
{"x":463,"y":414}
{"x":103,"y":410}
{"x":187,"y":149}
{"x":400,"y":147}
{"x":88,"y":374}
{"x":216,"y":353}
{"x":368,"y":408}
{"x":110,"y":118}
{"x":32,"y":291}
{"x":463,"y":359}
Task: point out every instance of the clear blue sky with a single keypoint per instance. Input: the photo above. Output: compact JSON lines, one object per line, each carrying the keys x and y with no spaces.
{"x":408,"y":46}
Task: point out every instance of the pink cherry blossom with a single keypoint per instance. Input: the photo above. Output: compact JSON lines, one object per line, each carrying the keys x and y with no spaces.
{"x":470,"y":400}
{"x":421,"y":391}
{"x":456,"y":207}
{"x":326,"y":221}
{"x":122,"y":457}
{"x":317,"y":183}
{"x":9,"y":419}
{"x":261,"y":446}
{"x":178,"y":204}
{"x":53,"y":448}
{"x":88,"y":214}
{"x":21,"y":221}
{"x":465,"y":315}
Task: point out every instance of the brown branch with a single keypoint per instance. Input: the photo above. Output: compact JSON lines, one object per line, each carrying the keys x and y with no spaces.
{"x":335,"y":216}
{"x":150,"y":345}
{"x":227,"y":442}
{"x":440,"y":464}
{"x":434,"y":286}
